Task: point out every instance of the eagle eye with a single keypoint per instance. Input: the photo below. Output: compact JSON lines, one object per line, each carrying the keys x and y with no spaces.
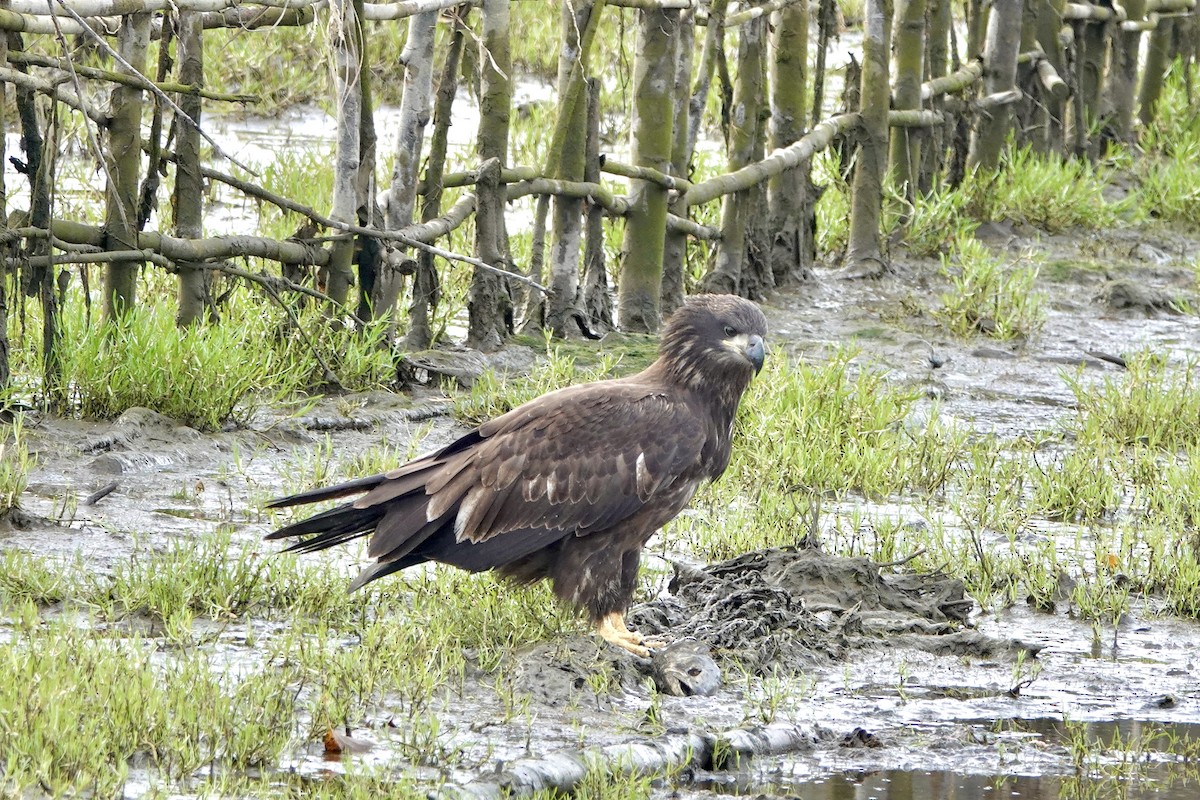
{"x":730,"y":331}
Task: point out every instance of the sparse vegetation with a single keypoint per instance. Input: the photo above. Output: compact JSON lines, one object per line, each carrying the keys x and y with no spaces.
{"x":15,"y":464}
{"x":988,"y":295}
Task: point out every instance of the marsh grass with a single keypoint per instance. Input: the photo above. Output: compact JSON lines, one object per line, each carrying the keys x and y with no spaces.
{"x":1152,"y":404}
{"x":78,"y":708}
{"x":1170,"y":173}
{"x":1044,"y":191}
{"x":989,"y":295}
{"x":833,"y":208}
{"x":15,"y":464}
{"x":89,"y":700}
{"x":209,"y":374}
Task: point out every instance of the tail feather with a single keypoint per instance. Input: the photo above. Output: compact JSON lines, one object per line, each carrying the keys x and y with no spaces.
{"x":334,"y":526}
{"x":356,"y":486}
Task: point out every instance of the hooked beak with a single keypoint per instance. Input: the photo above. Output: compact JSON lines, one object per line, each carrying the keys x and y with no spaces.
{"x":756,"y":352}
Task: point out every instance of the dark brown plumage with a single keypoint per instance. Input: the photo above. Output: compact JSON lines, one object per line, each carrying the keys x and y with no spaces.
{"x":569,"y":486}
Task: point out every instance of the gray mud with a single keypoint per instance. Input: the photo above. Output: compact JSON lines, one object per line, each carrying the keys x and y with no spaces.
{"x":881,"y":674}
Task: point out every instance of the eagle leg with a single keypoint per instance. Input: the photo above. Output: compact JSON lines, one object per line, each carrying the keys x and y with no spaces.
{"x":611,"y":628}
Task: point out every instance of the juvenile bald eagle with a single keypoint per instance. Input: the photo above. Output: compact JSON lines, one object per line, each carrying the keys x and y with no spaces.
{"x":569,"y":486}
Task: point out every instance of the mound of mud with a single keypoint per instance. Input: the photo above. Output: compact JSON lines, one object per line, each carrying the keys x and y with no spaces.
{"x":794,"y":609}
{"x":777,"y":610}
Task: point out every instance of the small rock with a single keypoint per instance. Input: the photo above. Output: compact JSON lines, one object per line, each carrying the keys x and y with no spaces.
{"x":1127,"y":295}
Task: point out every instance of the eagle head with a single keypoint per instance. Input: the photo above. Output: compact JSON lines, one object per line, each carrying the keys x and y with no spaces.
{"x":715,"y":339}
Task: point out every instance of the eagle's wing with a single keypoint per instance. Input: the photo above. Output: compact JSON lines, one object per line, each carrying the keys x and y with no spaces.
{"x":577,"y":460}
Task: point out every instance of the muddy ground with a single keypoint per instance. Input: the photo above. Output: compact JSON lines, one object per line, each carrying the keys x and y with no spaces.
{"x":874,"y":682}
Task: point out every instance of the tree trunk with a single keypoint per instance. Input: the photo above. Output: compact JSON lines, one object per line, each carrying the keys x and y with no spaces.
{"x":597,"y":303}
{"x":1158,"y":55}
{"x":580,"y":19}
{"x":675,"y":243}
{"x":653,"y":135}
{"x":1091,"y":43}
{"x":41,"y":277}
{"x":714,"y":43}
{"x":735,"y":270}
{"x":937,"y":65}
{"x":1003,"y":40}
{"x":125,"y":149}
{"x":909,"y":72}
{"x":368,"y":250}
{"x":790,"y":195}
{"x":1123,"y":73}
{"x":1049,"y":24}
{"x":345,"y":30}
{"x":415,"y":109}
{"x":189,"y":183}
{"x":489,"y":304}
{"x":4,"y":366}
{"x":426,"y":293}
{"x":864,"y":253}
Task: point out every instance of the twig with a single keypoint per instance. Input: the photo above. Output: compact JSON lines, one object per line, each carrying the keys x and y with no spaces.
{"x":68,"y":65}
{"x":100,"y":494}
{"x":902,"y":561}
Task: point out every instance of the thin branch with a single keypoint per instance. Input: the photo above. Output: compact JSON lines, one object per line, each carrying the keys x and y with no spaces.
{"x":67,"y":65}
{"x":59,"y":93}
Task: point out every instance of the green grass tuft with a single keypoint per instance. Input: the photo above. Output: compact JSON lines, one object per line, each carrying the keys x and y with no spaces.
{"x":15,"y":464}
{"x":988,"y":295}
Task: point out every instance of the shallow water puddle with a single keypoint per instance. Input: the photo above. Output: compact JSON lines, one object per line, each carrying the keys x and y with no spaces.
{"x":1158,"y":781}
{"x":1129,"y":759}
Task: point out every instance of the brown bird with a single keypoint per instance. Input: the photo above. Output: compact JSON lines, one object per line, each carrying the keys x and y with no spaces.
{"x":569,"y":486}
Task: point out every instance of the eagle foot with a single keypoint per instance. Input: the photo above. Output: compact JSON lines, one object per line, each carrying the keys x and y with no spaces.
{"x":611,"y":628}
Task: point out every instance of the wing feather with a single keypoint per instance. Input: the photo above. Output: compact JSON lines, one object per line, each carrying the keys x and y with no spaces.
{"x":596,"y":455}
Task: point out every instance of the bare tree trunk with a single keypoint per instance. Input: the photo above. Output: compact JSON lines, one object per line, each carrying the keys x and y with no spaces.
{"x":675,"y":242}
{"x":489,"y":304}
{"x":4,"y":366}
{"x":937,"y":64}
{"x":714,"y":42}
{"x":415,"y":110}
{"x":1158,"y":55}
{"x":864,"y":253}
{"x":580,"y":19}
{"x":345,"y":31}
{"x":426,"y":293}
{"x":368,"y":250}
{"x":1091,"y":43}
{"x":1003,"y":39}
{"x":125,"y":149}
{"x":1030,"y":118}
{"x":653,"y":135}
{"x":1049,"y":24}
{"x":189,"y":183}
{"x":597,"y":303}
{"x":790,"y":195}
{"x":1123,"y":72}
{"x":909,"y":71}
{"x":39,"y":159}
{"x":735,"y":270}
